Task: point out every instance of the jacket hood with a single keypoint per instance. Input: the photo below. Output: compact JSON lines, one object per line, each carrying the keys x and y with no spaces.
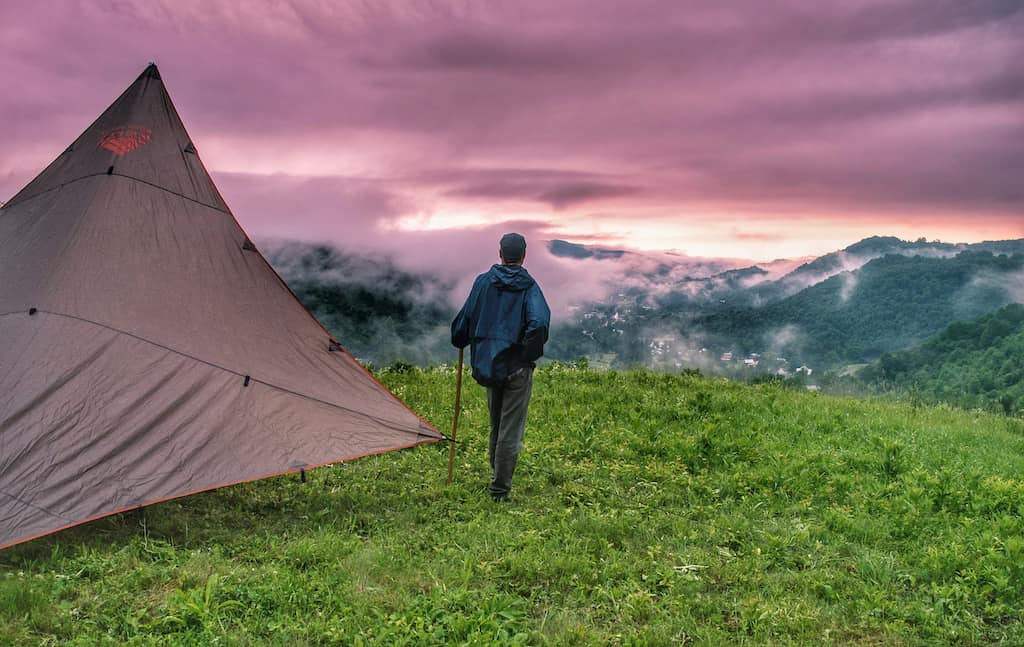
{"x":513,"y":278}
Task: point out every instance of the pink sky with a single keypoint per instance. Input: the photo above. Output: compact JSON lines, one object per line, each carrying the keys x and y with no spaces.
{"x":749,"y":129}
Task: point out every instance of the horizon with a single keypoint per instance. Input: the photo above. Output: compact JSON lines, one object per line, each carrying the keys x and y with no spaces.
{"x":755,"y":261}
{"x":714,"y":132}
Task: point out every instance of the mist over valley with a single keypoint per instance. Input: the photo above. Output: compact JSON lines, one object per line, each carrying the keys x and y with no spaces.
{"x":812,"y":320}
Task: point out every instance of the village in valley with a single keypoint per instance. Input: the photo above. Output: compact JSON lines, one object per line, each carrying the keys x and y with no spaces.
{"x":628,"y":332}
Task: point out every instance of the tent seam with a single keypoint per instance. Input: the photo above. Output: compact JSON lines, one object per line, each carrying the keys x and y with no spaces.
{"x":392,"y":424}
{"x":35,"y":507}
{"x":115,"y":174}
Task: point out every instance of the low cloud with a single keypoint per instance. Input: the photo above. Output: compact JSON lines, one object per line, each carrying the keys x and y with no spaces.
{"x":1015,"y":286}
{"x":361,"y":217}
{"x":759,"y":236}
{"x":785,"y":339}
{"x":988,"y":290}
{"x":671,"y":349}
{"x":848,"y":283}
{"x":557,"y":189}
{"x":312,"y":209}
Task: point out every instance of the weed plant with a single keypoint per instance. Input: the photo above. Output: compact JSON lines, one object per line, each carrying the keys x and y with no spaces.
{"x":649,"y":509}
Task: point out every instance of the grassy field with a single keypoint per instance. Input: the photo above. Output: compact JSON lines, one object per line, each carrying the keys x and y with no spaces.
{"x":651,"y":509}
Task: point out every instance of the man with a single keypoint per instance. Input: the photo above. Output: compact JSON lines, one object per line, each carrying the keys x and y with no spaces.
{"x":505,"y":321}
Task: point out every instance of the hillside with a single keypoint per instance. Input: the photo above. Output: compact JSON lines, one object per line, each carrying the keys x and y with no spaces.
{"x":976,"y":363}
{"x":890,"y":303}
{"x":380,"y":312}
{"x":652,"y":509}
{"x":879,"y":295}
{"x":760,"y":287}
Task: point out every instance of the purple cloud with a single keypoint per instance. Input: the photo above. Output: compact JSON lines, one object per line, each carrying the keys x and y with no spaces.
{"x":559,"y":189}
{"x":700,"y":126}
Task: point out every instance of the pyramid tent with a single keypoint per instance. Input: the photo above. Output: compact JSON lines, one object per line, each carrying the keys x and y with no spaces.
{"x":147,"y":349}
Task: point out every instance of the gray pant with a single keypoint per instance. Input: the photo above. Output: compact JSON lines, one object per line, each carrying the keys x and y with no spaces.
{"x":508,"y":405}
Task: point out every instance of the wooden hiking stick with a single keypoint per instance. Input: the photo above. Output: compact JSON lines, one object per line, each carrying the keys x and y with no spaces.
{"x":455,"y":416}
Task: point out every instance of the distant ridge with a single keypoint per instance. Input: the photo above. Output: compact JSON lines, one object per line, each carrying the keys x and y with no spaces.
{"x":566,"y":249}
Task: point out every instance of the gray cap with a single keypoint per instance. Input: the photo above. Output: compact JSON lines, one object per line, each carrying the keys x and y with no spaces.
{"x":513,"y":247}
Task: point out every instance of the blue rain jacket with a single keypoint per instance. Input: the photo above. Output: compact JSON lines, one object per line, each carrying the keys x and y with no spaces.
{"x":505,"y":322}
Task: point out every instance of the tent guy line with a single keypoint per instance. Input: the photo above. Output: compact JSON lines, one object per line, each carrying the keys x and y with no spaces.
{"x":248,"y":378}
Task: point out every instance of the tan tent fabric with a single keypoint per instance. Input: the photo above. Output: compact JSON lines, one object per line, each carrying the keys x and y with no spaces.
{"x":147,"y":350}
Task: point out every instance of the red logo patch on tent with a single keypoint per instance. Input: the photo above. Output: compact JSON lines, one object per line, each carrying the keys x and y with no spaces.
{"x":124,"y":139}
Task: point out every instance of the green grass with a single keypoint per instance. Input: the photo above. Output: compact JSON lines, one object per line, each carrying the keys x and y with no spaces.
{"x":651,"y":509}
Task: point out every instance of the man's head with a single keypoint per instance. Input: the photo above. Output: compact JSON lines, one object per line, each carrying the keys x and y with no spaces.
{"x":512,"y":249}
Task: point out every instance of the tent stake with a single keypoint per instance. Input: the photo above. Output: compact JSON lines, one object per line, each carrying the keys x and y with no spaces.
{"x":455,"y":416}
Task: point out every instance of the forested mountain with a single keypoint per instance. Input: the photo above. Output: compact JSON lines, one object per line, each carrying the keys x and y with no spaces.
{"x":573,"y":250}
{"x":379,"y":312}
{"x":886,"y":304}
{"x":977,"y":363}
{"x":890,"y":303}
{"x":753,"y":286}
